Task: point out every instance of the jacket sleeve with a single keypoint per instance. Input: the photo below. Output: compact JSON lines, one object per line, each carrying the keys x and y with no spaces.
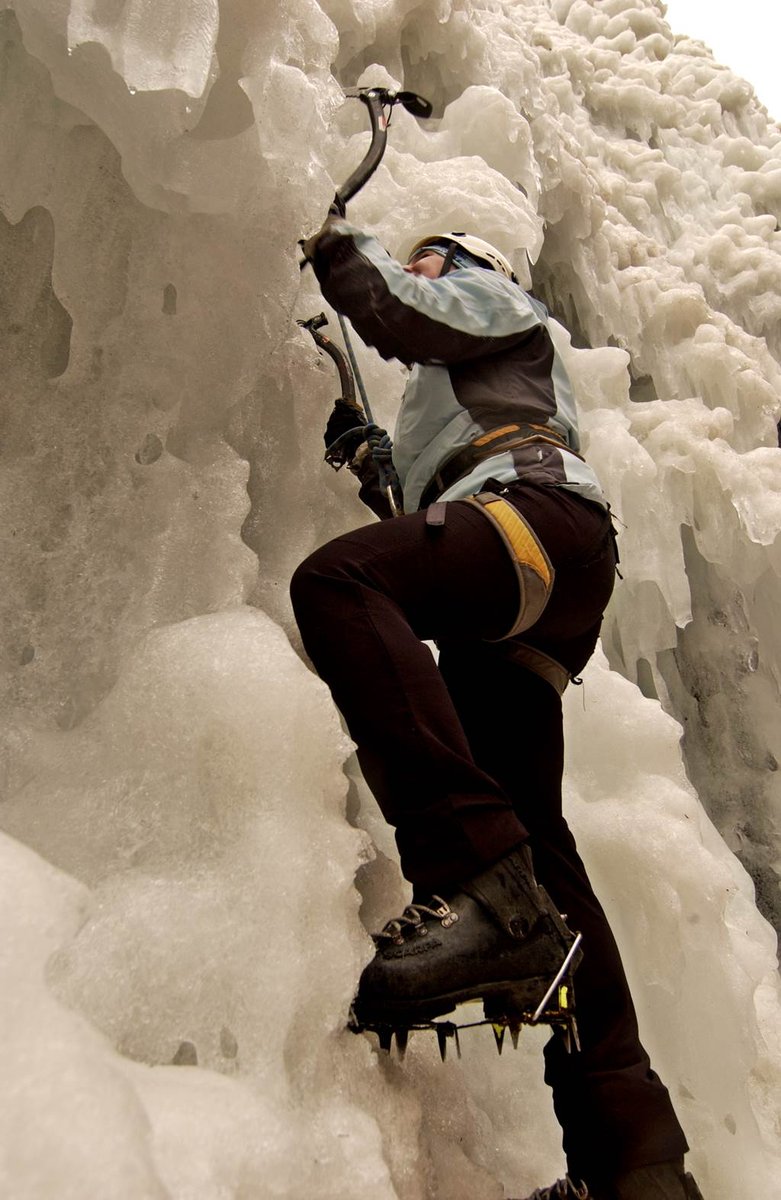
{"x":468,"y":314}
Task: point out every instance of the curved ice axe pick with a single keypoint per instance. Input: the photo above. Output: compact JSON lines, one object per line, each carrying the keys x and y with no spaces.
{"x":377,"y":100}
{"x":380,"y":102}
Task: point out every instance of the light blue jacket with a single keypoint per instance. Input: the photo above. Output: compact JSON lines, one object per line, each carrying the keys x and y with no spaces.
{"x":481,"y":358}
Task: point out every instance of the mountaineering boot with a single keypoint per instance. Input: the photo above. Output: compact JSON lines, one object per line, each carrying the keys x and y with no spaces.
{"x":562,"y":1189}
{"x":499,"y":939}
{"x":662,"y":1181}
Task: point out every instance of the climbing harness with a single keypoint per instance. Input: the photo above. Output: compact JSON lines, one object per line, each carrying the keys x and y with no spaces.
{"x":533,"y":568}
{"x":543,"y":665}
{"x":494,"y":441}
{"x":535,"y":574}
{"x":380,"y":103}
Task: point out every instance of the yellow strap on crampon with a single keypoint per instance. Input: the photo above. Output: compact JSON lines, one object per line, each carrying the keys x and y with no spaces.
{"x":532,"y":565}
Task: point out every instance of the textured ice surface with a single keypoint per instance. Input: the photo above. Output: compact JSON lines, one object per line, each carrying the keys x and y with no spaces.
{"x":177,"y":875}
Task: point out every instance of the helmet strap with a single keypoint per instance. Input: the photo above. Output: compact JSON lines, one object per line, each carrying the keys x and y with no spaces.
{"x":448,"y":259}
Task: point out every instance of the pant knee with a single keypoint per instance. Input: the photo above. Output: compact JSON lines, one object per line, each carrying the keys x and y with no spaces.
{"x":326,"y":569}
{"x":304,"y":586}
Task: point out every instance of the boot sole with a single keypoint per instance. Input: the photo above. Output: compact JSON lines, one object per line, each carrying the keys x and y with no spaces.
{"x":509,"y":999}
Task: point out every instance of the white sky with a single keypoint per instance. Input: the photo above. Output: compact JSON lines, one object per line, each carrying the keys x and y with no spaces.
{"x":744,"y":35}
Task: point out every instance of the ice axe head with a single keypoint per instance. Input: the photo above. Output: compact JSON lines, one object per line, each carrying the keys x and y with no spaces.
{"x":378,"y":100}
{"x":417,"y":105}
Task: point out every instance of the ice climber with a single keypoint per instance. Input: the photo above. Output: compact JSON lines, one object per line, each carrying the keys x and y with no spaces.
{"x":505,"y":557}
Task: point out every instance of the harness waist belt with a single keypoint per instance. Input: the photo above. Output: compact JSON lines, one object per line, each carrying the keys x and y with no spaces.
{"x":495,"y":441}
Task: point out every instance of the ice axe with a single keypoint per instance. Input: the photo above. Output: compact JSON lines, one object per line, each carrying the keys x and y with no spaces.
{"x":380,"y":103}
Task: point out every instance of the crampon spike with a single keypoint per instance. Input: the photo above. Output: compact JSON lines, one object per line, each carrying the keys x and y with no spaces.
{"x":502,"y":1014}
{"x":562,"y":1032}
{"x":385,"y":1036}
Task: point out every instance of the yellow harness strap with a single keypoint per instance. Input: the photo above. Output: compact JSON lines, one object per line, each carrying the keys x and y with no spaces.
{"x":542,"y":664}
{"x":532,"y":565}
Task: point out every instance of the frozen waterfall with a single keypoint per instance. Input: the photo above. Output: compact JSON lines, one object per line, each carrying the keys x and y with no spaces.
{"x":182,"y":823}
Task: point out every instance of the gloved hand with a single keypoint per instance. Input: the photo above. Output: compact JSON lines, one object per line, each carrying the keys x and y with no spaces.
{"x":375,"y":452}
{"x":345,"y":431}
{"x":344,"y":418}
{"x":380,"y":446}
{"x":309,"y":245}
{"x":373,"y":464}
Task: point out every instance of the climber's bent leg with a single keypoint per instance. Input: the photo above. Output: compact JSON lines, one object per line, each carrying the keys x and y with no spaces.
{"x":365,"y":603}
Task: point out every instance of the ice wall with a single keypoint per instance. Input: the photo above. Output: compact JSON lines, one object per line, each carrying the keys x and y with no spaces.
{"x":177,"y":882}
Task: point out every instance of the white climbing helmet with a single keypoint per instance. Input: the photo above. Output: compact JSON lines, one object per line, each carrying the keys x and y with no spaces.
{"x":475,"y":247}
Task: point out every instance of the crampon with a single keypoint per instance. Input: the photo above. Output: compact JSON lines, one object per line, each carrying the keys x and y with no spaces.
{"x":502,"y":1012}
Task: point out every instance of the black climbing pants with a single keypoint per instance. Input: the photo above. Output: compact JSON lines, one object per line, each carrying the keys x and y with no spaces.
{"x":465,"y":757}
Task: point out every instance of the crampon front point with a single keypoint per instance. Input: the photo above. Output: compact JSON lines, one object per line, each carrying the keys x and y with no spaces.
{"x":555,"y":1009}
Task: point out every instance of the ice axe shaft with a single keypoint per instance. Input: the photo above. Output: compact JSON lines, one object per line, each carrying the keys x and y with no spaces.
{"x":355,"y":368}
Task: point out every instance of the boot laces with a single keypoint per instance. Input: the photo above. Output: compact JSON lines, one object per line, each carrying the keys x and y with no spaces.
{"x":414,"y":916}
{"x":562,"y":1189}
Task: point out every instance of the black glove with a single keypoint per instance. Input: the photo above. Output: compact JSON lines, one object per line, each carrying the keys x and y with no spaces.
{"x":344,"y":418}
{"x":345,"y":431}
{"x":309,"y":245}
